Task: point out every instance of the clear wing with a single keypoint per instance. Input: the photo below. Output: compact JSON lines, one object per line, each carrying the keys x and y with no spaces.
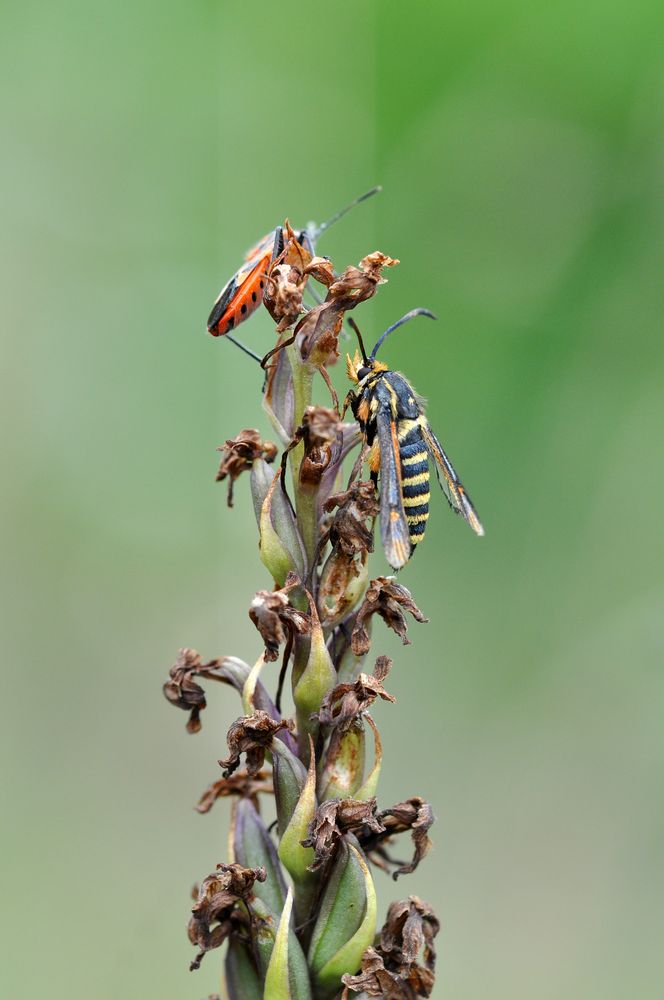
{"x":393,"y":524}
{"x":451,"y":485}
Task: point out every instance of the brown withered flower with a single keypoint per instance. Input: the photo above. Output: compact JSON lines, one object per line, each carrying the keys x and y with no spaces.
{"x":345,"y":703}
{"x":217,"y":898}
{"x":286,"y":282}
{"x":241,"y":784}
{"x":251,"y":735}
{"x":413,"y":814}
{"x":182,"y":690}
{"x":239,"y":454}
{"x":388,"y":599}
{"x":335,"y":818}
{"x":276,"y":619}
{"x":348,"y":531}
{"x":318,"y":331}
{"x":319,"y":431}
{"x":401,"y":966}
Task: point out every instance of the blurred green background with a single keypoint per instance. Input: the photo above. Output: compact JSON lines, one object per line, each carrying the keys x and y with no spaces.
{"x":521,"y":149}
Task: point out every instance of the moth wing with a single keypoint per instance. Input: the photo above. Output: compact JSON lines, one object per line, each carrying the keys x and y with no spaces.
{"x":450,"y":483}
{"x":393,"y":524}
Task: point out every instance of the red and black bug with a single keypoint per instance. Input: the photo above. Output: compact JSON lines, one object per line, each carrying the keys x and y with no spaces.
{"x":244,"y":292}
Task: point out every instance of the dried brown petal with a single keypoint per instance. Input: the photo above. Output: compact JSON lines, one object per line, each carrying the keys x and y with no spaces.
{"x":276,"y":619}
{"x":318,"y":331}
{"x":332,"y":820}
{"x":415,"y":815}
{"x":356,"y":505}
{"x":409,"y":929}
{"x":239,"y":454}
{"x":393,"y":968}
{"x":215,"y":904}
{"x":346,"y":702}
{"x":251,"y":735}
{"x":182,"y":690}
{"x":387,"y":598}
{"x":319,"y":430}
{"x":242,"y":784}
{"x":287,"y":280}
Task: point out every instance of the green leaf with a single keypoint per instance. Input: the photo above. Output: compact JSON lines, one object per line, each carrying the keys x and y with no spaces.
{"x":242,"y":979}
{"x":252,"y":847}
{"x":346,"y":923}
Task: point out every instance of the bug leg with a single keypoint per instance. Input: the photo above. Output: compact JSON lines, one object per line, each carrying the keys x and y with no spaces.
{"x":242,"y":347}
{"x":275,"y":350}
{"x":328,"y":383}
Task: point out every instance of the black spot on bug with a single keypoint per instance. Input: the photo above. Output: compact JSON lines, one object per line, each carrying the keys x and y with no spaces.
{"x":243,"y":308}
{"x":253,"y":296}
{"x":262,"y":283}
{"x":230,"y":324}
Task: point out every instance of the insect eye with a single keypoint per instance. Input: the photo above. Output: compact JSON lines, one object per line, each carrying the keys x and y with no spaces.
{"x":363,"y":372}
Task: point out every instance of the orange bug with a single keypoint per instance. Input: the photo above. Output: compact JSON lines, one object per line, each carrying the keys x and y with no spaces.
{"x":243,"y":293}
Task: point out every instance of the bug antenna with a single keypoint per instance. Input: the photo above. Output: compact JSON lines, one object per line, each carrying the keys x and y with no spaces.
{"x":353,"y":325}
{"x":400,"y":322}
{"x":338,"y":215}
{"x":243,"y":348}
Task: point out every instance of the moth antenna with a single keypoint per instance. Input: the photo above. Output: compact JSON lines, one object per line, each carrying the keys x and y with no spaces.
{"x":400,"y":322}
{"x":338,"y":215}
{"x":353,"y":325}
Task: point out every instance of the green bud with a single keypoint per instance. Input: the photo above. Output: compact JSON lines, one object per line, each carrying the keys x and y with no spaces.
{"x":346,"y":922}
{"x":290,"y":776}
{"x":317,"y":678}
{"x":253,"y":847}
{"x":294,"y":857}
{"x":280,"y":546}
{"x":344,"y":764}
{"x":242,"y":980}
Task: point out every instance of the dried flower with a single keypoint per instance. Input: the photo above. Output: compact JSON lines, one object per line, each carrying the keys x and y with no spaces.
{"x":415,"y":815}
{"x":348,"y":531}
{"x":393,"y":969}
{"x":276,"y":619}
{"x":335,"y":818}
{"x":345,"y":703}
{"x":242,"y":784}
{"x":389,"y":600}
{"x":239,"y":454}
{"x":217,"y":898}
{"x":251,"y":735}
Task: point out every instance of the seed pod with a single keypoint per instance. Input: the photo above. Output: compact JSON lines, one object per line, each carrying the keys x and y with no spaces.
{"x":252,"y":847}
{"x":344,"y":763}
{"x":294,"y":857}
{"x":242,"y":980}
{"x":346,"y":921}
{"x":317,"y":678}
{"x":267,"y":926}
{"x":290,"y":776}
{"x":280,"y":546}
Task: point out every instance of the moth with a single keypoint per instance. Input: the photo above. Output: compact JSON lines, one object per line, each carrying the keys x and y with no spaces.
{"x":395,"y":427}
